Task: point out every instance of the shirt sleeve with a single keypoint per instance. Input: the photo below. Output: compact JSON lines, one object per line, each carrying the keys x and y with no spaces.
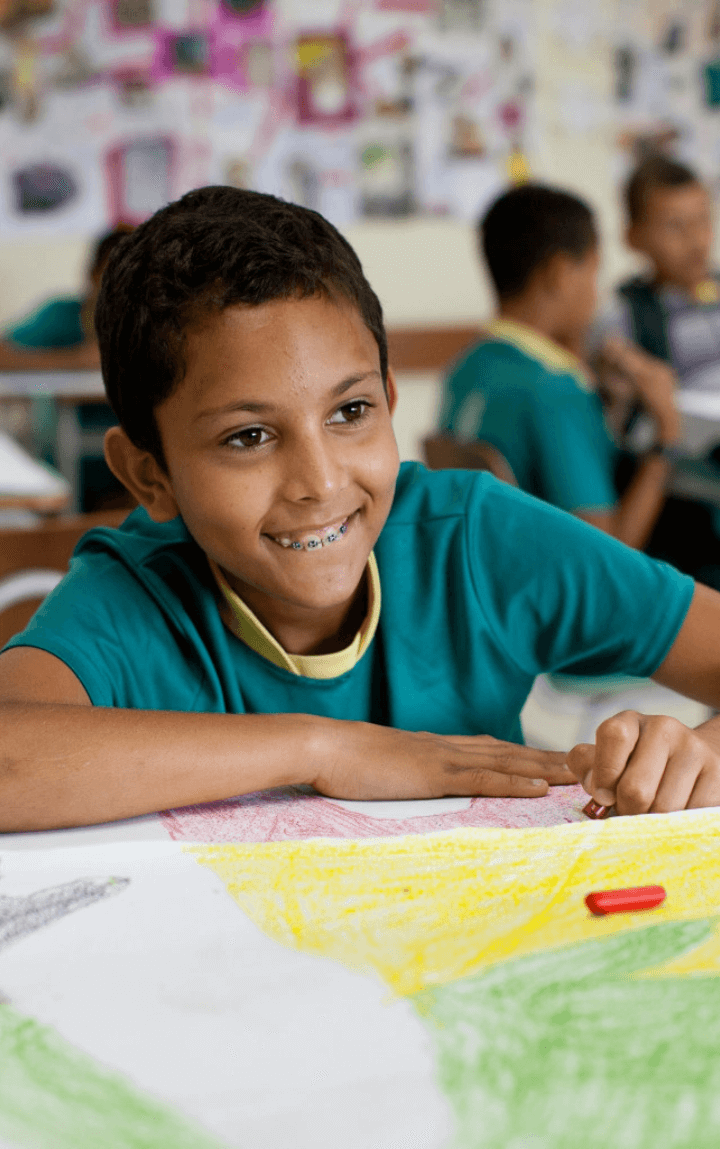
{"x":561,"y":595}
{"x":55,"y":324}
{"x":572,"y":449}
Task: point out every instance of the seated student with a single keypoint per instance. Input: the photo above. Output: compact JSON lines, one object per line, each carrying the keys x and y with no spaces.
{"x":672,"y":311}
{"x":60,"y":336}
{"x":523,"y":389}
{"x":289,"y":604}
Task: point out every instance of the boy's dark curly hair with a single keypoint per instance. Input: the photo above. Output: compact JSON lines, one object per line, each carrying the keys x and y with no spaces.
{"x":529,"y":225}
{"x":215,"y":247}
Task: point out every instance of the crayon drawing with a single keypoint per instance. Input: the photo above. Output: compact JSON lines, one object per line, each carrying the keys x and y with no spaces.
{"x":441,"y":991}
{"x":545,"y":1020}
{"x":53,"y":1096}
{"x":294,"y":812}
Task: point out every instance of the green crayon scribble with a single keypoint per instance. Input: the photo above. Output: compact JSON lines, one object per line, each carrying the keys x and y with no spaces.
{"x":52,"y":1096}
{"x":564,"y":1050}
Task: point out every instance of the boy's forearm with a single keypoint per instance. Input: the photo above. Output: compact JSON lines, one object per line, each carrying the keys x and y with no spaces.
{"x":642,"y":502}
{"x":78,"y":765}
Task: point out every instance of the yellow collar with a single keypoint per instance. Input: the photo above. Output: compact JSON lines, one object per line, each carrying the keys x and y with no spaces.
{"x":707,"y":292}
{"x":246,"y":626}
{"x":539,"y":347}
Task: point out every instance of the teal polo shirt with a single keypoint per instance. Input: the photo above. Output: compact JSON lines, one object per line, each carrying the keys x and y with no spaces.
{"x":529,"y":399}
{"x":483,"y":588}
{"x":56,"y":323}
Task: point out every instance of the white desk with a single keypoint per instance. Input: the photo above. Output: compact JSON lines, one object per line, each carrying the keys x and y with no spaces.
{"x":79,"y":386}
{"x":68,"y":388}
{"x":25,"y":483}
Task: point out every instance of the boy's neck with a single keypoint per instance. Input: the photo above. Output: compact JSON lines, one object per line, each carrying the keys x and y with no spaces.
{"x":306,"y":633}
{"x":532,"y":311}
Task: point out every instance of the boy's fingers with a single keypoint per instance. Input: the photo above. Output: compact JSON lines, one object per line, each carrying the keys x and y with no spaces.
{"x":581,"y":760}
{"x":514,"y":758}
{"x":615,"y":741}
{"x":491,"y":784}
{"x":678,"y":786}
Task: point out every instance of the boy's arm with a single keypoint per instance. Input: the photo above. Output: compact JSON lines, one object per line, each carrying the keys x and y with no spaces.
{"x":652,"y":763}
{"x":636,"y":513}
{"x":653,"y":382}
{"x":64,"y":762}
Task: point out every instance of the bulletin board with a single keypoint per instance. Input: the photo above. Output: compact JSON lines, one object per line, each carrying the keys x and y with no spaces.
{"x":666,"y":97}
{"x":356,"y":108}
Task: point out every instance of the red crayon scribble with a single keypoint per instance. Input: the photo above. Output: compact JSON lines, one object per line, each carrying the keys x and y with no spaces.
{"x":289,"y":814}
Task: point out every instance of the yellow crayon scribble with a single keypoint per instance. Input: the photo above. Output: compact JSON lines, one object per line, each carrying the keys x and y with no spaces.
{"x":426,"y":910}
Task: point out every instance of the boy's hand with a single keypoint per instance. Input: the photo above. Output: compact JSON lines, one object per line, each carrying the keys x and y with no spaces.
{"x":653,"y":381}
{"x":643,"y":764}
{"x":363,"y":761}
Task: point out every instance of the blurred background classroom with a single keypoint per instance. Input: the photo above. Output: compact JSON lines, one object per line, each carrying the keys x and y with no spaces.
{"x":400,"y":120}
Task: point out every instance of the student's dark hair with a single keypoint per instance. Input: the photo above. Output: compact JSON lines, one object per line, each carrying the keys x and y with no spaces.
{"x":214,"y":248}
{"x":527,"y":226}
{"x":653,"y":173}
{"x":105,"y":244}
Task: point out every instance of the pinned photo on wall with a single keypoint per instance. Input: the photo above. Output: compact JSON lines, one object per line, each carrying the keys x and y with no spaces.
{"x":625,"y":64}
{"x":184,"y":53}
{"x":257,"y":64}
{"x":238,"y":172}
{"x":462,"y":15}
{"x":129,"y":15}
{"x":245,"y":9}
{"x":325,"y":81}
{"x":134,"y":88}
{"x":15,"y":14}
{"x":42,"y":188}
{"x":466,"y":138}
{"x":387,"y":178}
{"x":139,"y":178}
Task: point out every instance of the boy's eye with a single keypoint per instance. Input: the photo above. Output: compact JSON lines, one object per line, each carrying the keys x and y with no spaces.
{"x":248,"y":438}
{"x":350,"y":412}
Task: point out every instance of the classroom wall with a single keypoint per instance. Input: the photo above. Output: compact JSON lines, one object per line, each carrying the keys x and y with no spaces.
{"x":426,"y":271}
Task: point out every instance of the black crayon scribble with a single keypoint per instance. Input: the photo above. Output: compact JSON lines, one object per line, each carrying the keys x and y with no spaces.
{"x":20,"y":916}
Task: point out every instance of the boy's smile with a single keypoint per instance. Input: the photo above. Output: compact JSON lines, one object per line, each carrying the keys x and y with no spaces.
{"x":282,"y":461}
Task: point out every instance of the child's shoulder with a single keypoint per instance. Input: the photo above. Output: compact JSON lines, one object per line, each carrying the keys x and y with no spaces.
{"x":143,"y":550}
{"x":138,"y":537}
{"x":422,"y":495}
{"x":517,"y":365}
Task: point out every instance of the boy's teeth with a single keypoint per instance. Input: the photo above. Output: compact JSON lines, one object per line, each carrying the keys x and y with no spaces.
{"x":315,"y":541}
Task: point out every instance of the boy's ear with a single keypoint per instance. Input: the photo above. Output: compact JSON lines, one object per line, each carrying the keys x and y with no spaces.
{"x":143,"y":476}
{"x":391,"y":390}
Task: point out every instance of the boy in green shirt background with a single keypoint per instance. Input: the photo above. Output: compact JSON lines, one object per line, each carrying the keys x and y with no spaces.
{"x":525,"y":389}
{"x":288,"y":604}
{"x":60,"y":336}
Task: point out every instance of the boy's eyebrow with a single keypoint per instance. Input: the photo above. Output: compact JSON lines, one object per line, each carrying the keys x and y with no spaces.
{"x":263,"y":408}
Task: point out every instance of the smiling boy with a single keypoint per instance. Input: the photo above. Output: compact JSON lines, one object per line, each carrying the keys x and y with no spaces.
{"x":289,"y":605}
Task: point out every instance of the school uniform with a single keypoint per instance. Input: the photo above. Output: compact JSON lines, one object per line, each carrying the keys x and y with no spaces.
{"x":474,"y":589}
{"x":679,"y":328}
{"x":532,"y":401}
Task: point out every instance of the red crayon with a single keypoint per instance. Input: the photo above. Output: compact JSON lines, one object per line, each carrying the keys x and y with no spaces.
{"x":625,"y":901}
{"x":595,"y":811}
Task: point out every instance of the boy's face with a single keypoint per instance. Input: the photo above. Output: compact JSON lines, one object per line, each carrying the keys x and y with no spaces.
{"x":280,"y":434}
{"x":676,"y":234}
{"x":576,"y":295}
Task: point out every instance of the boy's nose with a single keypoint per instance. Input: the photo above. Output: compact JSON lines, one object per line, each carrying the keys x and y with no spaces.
{"x":313,"y":471}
